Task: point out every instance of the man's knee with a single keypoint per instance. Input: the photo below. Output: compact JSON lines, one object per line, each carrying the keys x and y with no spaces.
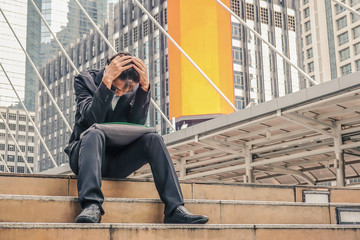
{"x":152,"y":137}
{"x":93,"y":134}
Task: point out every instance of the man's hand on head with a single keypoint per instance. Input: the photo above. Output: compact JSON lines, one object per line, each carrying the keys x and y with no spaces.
{"x":140,"y":67}
{"x":115,"y":68}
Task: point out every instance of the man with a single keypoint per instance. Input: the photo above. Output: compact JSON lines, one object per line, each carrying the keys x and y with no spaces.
{"x":119,"y":93}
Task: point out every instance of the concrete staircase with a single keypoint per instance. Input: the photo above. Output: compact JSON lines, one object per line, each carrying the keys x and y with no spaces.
{"x":44,"y":207}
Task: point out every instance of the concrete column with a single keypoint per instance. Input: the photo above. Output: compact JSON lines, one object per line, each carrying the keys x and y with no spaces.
{"x":182,"y":168}
{"x":249,"y":177}
{"x":339,"y":162}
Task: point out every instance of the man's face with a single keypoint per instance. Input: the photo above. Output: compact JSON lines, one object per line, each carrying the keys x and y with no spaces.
{"x":121,"y":87}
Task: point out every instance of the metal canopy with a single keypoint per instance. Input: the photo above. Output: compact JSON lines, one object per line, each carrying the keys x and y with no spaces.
{"x":307,"y":137}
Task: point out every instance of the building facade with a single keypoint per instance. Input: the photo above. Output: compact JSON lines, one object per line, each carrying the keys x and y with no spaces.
{"x":259,"y":73}
{"x":11,"y":55}
{"x":68,"y":22}
{"x":330,"y":38}
{"x":23,"y":131}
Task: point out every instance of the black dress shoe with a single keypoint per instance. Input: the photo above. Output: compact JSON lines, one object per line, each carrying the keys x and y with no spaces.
{"x":182,"y":215}
{"x":90,"y":214}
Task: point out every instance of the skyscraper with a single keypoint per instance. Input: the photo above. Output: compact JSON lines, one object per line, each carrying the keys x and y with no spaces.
{"x":259,"y":73}
{"x":330,"y":38}
{"x":11,"y":56}
{"x":68,"y":22}
{"x":33,"y":36}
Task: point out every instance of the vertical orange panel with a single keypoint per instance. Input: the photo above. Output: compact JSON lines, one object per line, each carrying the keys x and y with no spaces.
{"x":203,"y":29}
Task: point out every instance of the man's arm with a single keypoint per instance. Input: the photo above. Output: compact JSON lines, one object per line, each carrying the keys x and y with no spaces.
{"x":140,"y":107}
{"x":92,"y":107}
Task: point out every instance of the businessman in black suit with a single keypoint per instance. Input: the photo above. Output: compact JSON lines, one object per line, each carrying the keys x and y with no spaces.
{"x":119,"y":93}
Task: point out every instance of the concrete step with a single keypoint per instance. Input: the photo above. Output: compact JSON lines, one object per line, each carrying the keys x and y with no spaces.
{"x":57,"y":185}
{"x":36,"y":231}
{"x":51,"y":209}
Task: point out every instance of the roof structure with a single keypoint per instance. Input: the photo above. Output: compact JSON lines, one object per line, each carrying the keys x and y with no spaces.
{"x":307,"y":137}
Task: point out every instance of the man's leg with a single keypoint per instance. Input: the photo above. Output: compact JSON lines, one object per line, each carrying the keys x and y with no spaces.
{"x":90,"y":158}
{"x":151,"y":149}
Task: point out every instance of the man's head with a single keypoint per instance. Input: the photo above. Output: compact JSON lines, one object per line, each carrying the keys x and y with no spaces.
{"x":128,"y":79}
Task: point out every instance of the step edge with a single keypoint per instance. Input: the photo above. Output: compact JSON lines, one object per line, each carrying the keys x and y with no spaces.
{"x":187,"y":201}
{"x":18,"y":225}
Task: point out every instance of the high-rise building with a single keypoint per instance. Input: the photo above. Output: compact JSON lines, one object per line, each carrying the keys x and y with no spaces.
{"x":23,"y":131}
{"x":68,"y":22}
{"x":330,"y":38}
{"x":33,"y":36}
{"x":11,"y":56}
{"x":259,"y":73}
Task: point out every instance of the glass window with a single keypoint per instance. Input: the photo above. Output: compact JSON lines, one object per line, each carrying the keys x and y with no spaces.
{"x":307,"y":26}
{"x":306,"y":1}
{"x":346,"y":69}
{"x":11,"y":147}
{"x":12,"y":168}
{"x":30,"y":149}
{"x":354,"y":2}
{"x":343,"y":38}
{"x":341,"y":23}
{"x":167,"y":87}
{"x":311,"y":67}
{"x":11,"y":158}
{"x":309,"y":53}
{"x":306,"y":12}
{"x":339,"y":9}
{"x":30,"y":159}
{"x":344,"y":54}
{"x":357,"y":49}
{"x":146,"y":50}
{"x":157,"y":91}
{"x":239,"y":102}
{"x":237,"y":55}
{"x":357,"y":65}
{"x":22,"y":117}
{"x":239,"y":80}
{"x":20,"y":169}
{"x":12,"y":116}
{"x":157,"y":68}
{"x":156,"y":45}
{"x":354,"y":18}
{"x":356,"y":32}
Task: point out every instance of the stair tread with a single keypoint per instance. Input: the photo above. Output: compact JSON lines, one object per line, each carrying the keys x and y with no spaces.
{"x":175,"y":226}
{"x":187,"y":201}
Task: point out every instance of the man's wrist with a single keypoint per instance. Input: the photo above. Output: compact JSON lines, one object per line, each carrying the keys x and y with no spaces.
{"x":107,"y":82}
{"x":145,"y":87}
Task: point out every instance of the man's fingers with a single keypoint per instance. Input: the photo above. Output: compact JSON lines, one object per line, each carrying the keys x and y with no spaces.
{"x":119,"y":59}
{"x":123,"y":63}
{"x":139,"y":62}
{"x":138,"y":69}
{"x":127,"y":67}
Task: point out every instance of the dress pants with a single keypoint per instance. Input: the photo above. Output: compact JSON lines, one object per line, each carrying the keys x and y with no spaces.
{"x":96,"y":160}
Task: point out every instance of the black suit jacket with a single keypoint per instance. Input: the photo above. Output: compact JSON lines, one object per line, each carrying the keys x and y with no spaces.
{"x":93,"y":104}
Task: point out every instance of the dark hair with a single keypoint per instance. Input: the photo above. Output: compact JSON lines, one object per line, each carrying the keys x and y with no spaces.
{"x":129,"y":74}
